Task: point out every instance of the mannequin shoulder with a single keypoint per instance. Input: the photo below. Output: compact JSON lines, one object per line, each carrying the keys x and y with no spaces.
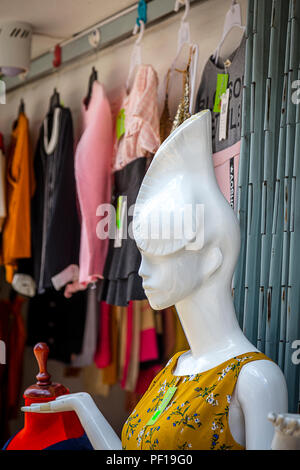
{"x":262,"y":381}
{"x":260,"y":389}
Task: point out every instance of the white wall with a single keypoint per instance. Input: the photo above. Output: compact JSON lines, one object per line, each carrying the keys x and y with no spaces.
{"x":159,"y":49}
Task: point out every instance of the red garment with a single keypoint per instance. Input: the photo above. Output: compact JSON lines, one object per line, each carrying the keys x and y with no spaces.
{"x":145,"y":378}
{"x":148,"y":341}
{"x":103,"y":353}
{"x":12,"y":332}
{"x":16,"y":346}
{"x":43,"y":430}
{"x":128,"y":343}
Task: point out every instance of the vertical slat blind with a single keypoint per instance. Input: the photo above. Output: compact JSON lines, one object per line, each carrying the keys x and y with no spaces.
{"x":266,"y":284}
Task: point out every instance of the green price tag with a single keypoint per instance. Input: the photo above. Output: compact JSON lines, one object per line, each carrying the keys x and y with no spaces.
{"x":165,"y":401}
{"x":120,"y":125}
{"x":118,"y":212}
{"x":222,"y":81}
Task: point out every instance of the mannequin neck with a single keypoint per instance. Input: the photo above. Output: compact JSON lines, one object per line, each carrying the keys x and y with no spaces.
{"x":209,"y":321}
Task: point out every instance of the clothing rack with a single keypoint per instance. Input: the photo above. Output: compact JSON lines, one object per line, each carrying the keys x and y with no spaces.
{"x":112,"y":30}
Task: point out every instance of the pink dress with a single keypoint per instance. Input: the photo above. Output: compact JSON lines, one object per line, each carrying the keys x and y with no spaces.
{"x":141,"y":134}
{"x":93,"y":161}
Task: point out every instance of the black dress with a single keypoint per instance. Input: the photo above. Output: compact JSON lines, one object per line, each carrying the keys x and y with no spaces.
{"x":57,"y":321}
{"x":121,"y":280}
{"x":55,"y":221}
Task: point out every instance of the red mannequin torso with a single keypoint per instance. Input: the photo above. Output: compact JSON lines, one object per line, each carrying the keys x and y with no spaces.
{"x":42,"y":431}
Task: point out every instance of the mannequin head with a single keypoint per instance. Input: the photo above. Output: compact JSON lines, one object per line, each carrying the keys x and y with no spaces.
{"x":181,"y":180}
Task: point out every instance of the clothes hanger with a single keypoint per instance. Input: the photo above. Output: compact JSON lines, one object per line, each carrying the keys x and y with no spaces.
{"x":1,"y":142}
{"x":20,"y":111}
{"x":141,"y":34}
{"x":54,"y":101}
{"x":21,"y":107}
{"x":55,"y":111}
{"x":136,"y":55}
{"x":233,"y":19}
{"x":186,"y":10}
{"x":92,"y":79}
{"x":184,"y":38}
{"x":184,"y":35}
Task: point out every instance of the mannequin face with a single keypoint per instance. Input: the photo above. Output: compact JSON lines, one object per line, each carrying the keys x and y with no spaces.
{"x":170,"y":279}
{"x":180,"y":175}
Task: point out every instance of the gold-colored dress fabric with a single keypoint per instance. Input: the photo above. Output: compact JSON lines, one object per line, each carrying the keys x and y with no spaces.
{"x":183,"y":110}
{"x":196,"y":418}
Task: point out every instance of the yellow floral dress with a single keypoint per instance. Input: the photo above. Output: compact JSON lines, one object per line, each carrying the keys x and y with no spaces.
{"x":196,"y":417}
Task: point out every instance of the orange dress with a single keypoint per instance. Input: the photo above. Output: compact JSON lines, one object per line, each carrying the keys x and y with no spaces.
{"x":20,"y":185}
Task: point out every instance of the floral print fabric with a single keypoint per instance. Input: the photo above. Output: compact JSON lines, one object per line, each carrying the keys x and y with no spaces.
{"x":196,"y":418}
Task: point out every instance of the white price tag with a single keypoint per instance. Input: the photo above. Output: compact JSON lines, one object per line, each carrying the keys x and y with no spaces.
{"x":224,"y":115}
{"x":69,"y":274}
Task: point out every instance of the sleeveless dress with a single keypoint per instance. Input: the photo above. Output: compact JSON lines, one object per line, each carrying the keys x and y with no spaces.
{"x":196,"y":418}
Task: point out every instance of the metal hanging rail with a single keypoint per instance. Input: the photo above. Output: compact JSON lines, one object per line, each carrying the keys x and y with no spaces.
{"x":112,"y":30}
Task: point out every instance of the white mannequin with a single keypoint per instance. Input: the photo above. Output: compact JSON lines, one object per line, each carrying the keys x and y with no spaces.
{"x":287,"y":431}
{"x":198,"y":281}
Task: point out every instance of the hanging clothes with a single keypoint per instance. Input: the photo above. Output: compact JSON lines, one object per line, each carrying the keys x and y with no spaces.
{"x":55,"y":221}
{"x":12,"y":332}
{"x":93,"y":161}
{"x":93,"y":381}
{"x":2,"y":184}
{"x":20,"y":186}
{"x":148,"y":341}
{"x":137,"y":126}
{"x":110,"y":372}
{"x":59,"y":322}
{"x":136,"y":137}
{"x":225,"y":152}
{"x":102,"y":356}
{"x":133,"y":365}
{"x":89,"y":343}
{"x":121,"y":280}
{"x":167,"y":125}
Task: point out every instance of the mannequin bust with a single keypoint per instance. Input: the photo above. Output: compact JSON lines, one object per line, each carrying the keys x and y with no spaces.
{"x":193,"y":270}
{"x":43,"y":431}
{"x":198,"y":279}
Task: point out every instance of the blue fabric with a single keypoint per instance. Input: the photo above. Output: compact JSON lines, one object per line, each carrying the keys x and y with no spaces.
{"x":5,"y":445}
{"x":81,"y":443}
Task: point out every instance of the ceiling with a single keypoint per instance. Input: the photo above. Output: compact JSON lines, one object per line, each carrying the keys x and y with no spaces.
{"x":58,"y":19}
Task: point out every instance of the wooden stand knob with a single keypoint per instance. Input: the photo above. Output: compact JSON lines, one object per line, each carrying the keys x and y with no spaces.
{"x":44,"y":388}
{"x":41,"y":352}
